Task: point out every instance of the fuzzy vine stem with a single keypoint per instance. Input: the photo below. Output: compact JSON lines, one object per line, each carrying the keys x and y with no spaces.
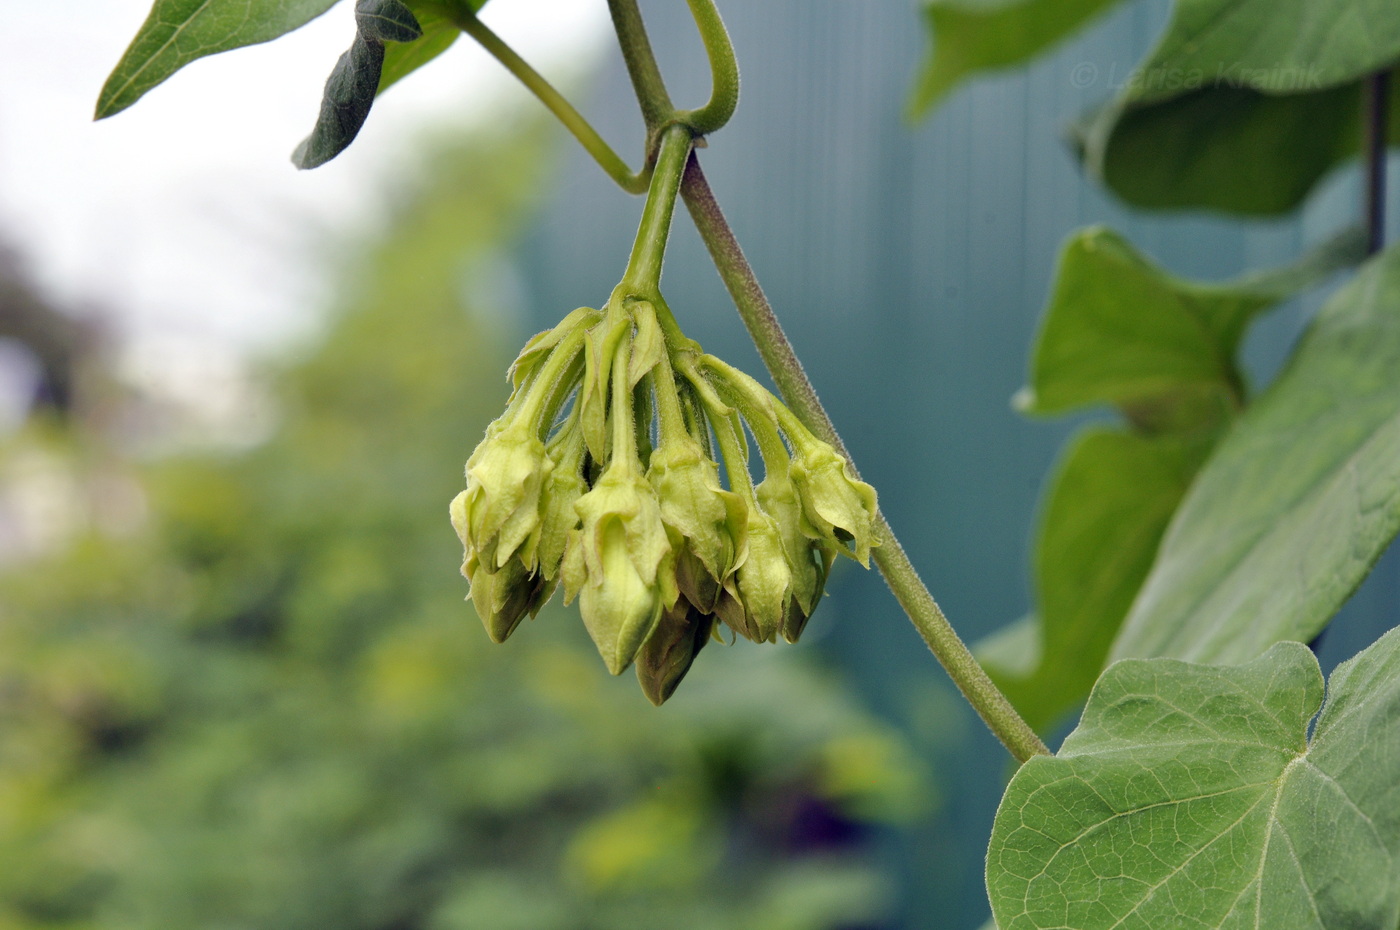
{"x":724,"y":71}
{"x":641,"y":62}
{"x":792,"y":381}
{"x":465,"y":19}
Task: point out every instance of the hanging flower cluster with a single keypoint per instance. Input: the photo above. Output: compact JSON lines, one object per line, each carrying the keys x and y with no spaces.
{"x":604,"y":472}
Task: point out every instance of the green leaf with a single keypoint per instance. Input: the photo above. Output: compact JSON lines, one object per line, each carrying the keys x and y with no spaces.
{"x":179,"y":31}
{"x":1111,"y":501}
{"x":1275,"y":46}
{"x":1225,"y":148}
{"x":1120,"y":330}
{"x":1245,"y":104}
{"x":355,"y":80}
{"x":402,"y":59}
{"x":971,"y":36}
{"x":1191,"y":796}
{"x":1298,"y":501}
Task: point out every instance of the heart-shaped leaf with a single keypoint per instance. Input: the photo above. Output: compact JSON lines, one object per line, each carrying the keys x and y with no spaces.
{"x":1244,"y":105}
{"x":1192,"y":796}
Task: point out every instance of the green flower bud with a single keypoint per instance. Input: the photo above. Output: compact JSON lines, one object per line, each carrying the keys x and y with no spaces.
{"x":693,"y":579}
{"x":504,"y":478}
{"x":778,"y":497}
{"x":563,"y":487}
{"x":503,"y":598}
{"x":668,"y":653}
{"x":839,"y":507}
{"x":594,"y":393}
{"x":613,"y":562}
{"x":712,"y":520}
{"x":765,"y":580}
{"x":798,"y":608}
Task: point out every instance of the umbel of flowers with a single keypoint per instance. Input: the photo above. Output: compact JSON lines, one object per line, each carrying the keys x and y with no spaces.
{"x":604,"y":473}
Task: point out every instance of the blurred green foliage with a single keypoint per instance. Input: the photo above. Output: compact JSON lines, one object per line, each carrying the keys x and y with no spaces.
{"x":270,"y":708}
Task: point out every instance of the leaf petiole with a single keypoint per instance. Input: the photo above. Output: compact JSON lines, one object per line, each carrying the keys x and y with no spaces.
{"x":611,"y":163}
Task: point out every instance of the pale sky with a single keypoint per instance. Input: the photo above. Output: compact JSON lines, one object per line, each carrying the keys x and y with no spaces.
{"x":183,"y":215}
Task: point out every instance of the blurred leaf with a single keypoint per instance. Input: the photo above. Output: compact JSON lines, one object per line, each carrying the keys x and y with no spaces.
{"x":1192,"y":795}
{"x":179,"y":31}
{"x":1111,"y":500}
{"x":1120,"y":330}
{"x":1298,"y":501}
{"x":976,"y":35}
{"x":1244,"y":105}
{"x":1224,"y":147}
{"x":1275,"y":46}
{"x":659,"y":842}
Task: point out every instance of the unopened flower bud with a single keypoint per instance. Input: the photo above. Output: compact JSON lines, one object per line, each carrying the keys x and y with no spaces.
{"x":712,"y":520}
{"x":764,"y":580}
{"x":808,"y":559}
{"x":670,"y":650}
{"x":839,"y":507}
{"x":613,"y":561}
{"x":502,"y":503}
{"x":502,"y":598}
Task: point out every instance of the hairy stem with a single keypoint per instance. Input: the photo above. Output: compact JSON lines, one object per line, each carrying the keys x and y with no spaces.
{"x":463,"y":18}
{"x":724,"y":71}
{"x":641,"y":62}
{"x":900,"y":574}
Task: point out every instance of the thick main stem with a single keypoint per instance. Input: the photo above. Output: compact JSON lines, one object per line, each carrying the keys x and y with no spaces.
{"x":900,"y":574}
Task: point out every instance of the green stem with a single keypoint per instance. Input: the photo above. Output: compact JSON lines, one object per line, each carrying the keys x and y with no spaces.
{"x":641,"y":62}
{"x":643,"y":277}
{"x":623,"y":436}
{"x":755,"y":404}
{"x":733,"y":447}
{"x":556,"y":376}
{"x":582,"y":130}
{"x":900,"y":575}
{"x":724,"y":71}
